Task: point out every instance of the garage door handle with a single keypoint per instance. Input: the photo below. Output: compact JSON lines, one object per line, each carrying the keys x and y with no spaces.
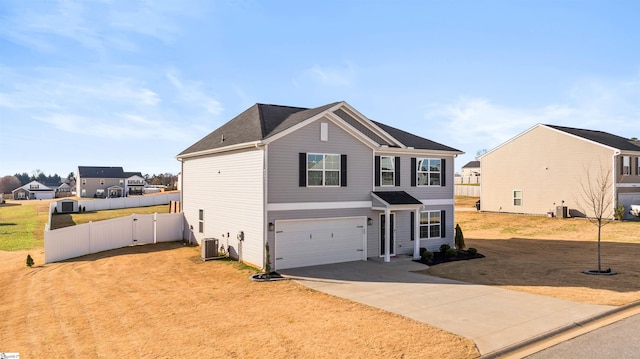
{"x":359,"y":250}
{"x":278,"y":258}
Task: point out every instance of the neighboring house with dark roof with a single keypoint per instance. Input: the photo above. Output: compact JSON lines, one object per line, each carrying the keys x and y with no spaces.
{"x":107,"y":182}
{"x":471,"y":169}
{"x":544,"y":168}
{"x":320,"y":185}
{"x":33,"y":190}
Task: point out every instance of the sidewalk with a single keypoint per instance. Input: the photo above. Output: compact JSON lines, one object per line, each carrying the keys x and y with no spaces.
{"x":493,"y":318}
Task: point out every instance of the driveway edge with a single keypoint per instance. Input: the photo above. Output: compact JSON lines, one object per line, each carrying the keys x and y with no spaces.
{"x":541,"y":342}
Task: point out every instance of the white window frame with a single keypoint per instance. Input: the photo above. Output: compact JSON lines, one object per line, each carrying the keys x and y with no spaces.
{"x":428,"y":172}
{"x":324,"y":170}
{"x":638,"y":163}
{"x":429,"y":225}
{"x":200,"y":220}
{"x":626,"y":165}
{"x":392,"y":171}
{"x":515,"y":198}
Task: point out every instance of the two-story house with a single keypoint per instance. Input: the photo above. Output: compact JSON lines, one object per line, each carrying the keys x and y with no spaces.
{"x":546,"y":169}
{"x":33,"y":190}
{"x":320,"y":185}
{"x":108,"y":182}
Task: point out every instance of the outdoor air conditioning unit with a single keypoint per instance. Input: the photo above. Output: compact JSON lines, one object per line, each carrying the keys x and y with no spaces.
{"x":209,"y":249}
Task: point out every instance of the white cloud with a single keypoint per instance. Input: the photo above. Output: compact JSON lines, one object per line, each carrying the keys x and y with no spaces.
{"x":193,"y":93}
{"x":604,"y":105}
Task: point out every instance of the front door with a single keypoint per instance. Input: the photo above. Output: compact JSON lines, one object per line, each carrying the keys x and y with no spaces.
{"x":392,"y":234}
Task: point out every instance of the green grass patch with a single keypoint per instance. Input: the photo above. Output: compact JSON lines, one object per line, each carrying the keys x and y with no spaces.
{"x":72,"y":219}
{"x":22,"y":225}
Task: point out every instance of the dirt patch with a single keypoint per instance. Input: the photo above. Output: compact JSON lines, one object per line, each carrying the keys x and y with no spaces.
{"x":160,"y":301}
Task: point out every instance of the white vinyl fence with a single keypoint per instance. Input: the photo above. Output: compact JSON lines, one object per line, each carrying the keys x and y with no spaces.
{"x":93,"y":237}
{"x":471,"y":191}
{"x":128,"y":202}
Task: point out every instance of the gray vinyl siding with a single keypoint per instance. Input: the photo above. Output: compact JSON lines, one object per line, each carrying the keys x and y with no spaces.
{"x":421,"y":192}
{"x":283,"y":165}
{"x":229,"y":188}
{"x":93,"y":184}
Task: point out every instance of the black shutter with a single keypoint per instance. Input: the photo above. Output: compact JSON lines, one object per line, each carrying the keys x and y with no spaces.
{"x":398,"y":172}
{"x":302,"y":169}
{"x":443,"y":225}
{"x":443,"y":172}
{"x":343,"y":170}
{"x":413,"y":171}
{"x":377,"y":171}
{"x":413,"y":225}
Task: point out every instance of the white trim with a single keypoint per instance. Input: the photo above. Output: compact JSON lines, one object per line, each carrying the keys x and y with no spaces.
{"x":393,"y":230}
{"x":324,"y":131}
{"x":627,"y":185}
{"x":301,"y":206}
{"x":437,"y":202}
{"x":371,"y":125}
{"x":238,"y":146}
{"x":416,"y":152}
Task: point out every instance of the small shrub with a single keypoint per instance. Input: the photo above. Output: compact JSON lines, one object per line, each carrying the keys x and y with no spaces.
{"x":84,"y":209}
{"x":618,"y":212}
{"x":426,"y":255}
{"x":451,"y":253}
{"x":472,"y":251}
{"x":459,"y":238}
{"x":55,"y":210}
{"x":422,"y":250}
{"x":444,"y":248}
{"x":29,"y":261}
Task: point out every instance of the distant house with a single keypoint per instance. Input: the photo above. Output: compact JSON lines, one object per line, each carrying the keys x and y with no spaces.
{"x":108,"y":182}
{"x":33,"y":190}
{"x":471,"y":169}
{"x":64,"y":190}
{"x":541,"y":171}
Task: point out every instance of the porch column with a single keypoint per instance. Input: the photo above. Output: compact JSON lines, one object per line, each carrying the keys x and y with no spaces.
{"x":387,"y":236}
{"x":416,"y":234}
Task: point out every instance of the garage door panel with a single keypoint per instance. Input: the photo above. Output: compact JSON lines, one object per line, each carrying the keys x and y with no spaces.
{"x":315,"y":242}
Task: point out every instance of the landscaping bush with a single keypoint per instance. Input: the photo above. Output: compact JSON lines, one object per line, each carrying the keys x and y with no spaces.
{"x":444,"y":248}
{"x":459,"y":238}
{"x":422,"y":250}
{"x":472,"y":251}
{"x":618,"y":212}
{"x":451,"y":253}
{"x":29,"y":260}
{"x":426,"y":255}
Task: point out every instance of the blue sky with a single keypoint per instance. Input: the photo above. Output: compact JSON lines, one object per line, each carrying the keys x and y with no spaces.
{"x":132,"y":84}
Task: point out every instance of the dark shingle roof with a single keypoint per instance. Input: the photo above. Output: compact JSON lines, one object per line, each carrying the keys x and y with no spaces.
{"x":396,"y":197}
{"x":100,"y":172}
{"x":472,"y":164}
{"x":261,"y":121}
{"x":411,"y":140}
{"x":131,"y":174}
{"x":604,"y":138}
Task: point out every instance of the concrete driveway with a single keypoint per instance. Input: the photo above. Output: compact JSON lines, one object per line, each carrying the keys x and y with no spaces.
{"x":493,"y":318}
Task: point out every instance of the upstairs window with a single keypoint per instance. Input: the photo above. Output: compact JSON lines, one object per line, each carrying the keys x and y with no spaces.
{"x":429,"y":172}
{"x":626,"y":165}
{"x":34,"y":186}
{"x":201,"y":221}
{"x":517,"y":198}
{"x":387,"y":171}
{"x":323,"y":169}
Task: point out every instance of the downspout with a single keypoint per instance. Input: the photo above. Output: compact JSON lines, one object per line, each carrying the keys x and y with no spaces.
{"x":614,"y":201}
{"x":265,"y":198}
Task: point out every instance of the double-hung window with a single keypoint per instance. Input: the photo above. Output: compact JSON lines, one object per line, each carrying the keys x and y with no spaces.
{"x":323,"y":169}
{"x":387,"y":171}
{"x":201,"y":221}
{"x":429,"y":172}
{"x":517,"y":198}
{"x":430,"y":222}
{"x":626,"y":165}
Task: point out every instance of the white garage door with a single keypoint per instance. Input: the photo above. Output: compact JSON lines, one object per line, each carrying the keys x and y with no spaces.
{"x":302,"y":243}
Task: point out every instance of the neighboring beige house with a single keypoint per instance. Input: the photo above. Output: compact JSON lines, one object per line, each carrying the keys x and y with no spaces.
{"x":541,"y":171}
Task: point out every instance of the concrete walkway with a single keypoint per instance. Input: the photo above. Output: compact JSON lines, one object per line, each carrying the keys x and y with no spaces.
{"x":493,"y":318}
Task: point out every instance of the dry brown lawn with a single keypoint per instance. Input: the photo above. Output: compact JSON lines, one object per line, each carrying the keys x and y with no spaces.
{"x":547,"y":256}
{"x":162,"y":301}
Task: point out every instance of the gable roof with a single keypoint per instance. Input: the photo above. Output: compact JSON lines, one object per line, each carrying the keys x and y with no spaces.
{"x":262,"y":121}
{"x":472,"y":164}
{"x":601,"y":137}
{"x":27,"y":187}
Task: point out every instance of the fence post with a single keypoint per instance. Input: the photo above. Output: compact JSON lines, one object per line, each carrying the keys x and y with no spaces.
{"x":155,"y":228}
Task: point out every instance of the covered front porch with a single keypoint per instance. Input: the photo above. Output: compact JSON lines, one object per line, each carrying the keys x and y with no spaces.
{"x":115,"y":192}
{"x":388,"y":205}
